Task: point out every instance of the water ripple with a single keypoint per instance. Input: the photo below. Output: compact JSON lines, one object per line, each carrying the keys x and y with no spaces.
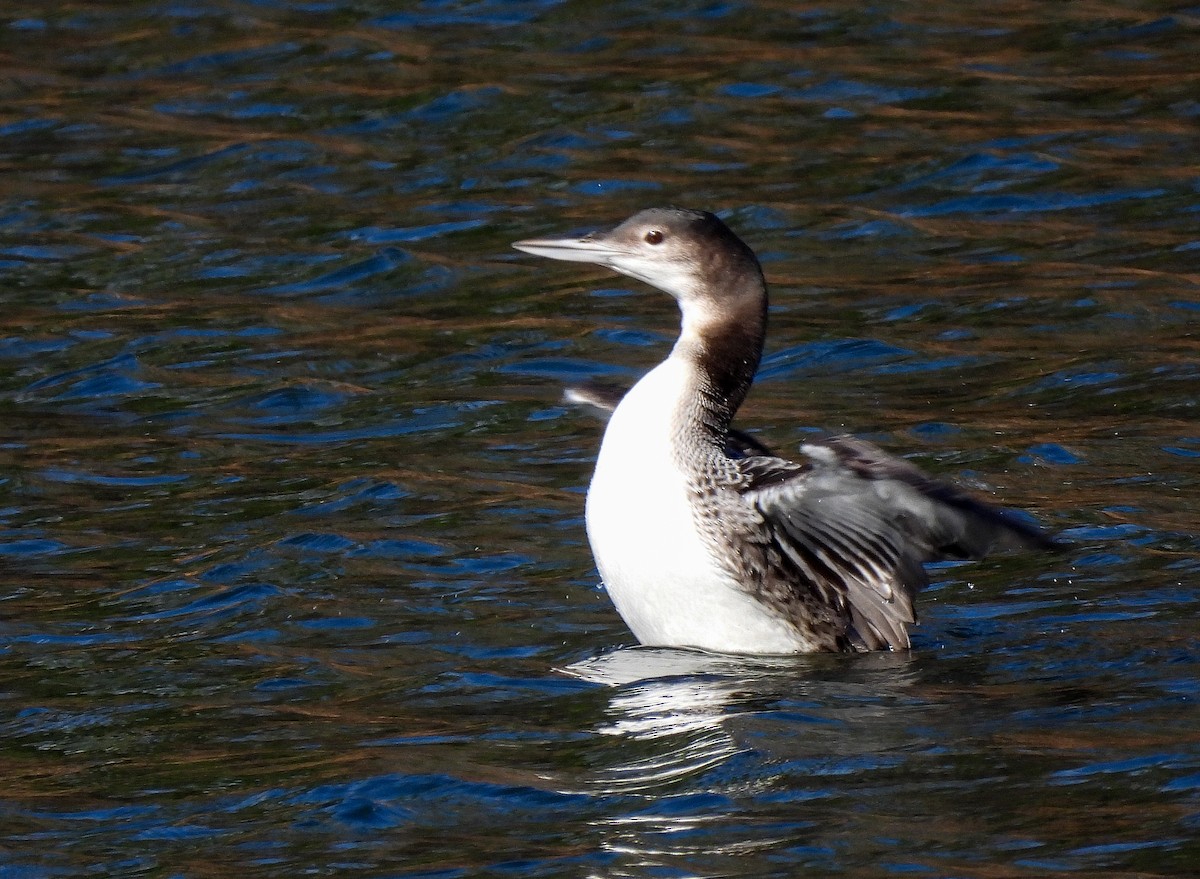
{"x":294,"y":573}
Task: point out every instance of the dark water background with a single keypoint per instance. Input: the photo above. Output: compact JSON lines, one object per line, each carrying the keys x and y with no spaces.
{"x":293,"y":579}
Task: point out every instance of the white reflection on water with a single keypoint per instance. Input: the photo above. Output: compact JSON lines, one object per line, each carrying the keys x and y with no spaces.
{"x":694,"y":703}
{"x":679,"y":694}
{"x":698,"y":733}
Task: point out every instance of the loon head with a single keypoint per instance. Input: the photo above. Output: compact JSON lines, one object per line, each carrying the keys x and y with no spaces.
{"x":691,"y":255}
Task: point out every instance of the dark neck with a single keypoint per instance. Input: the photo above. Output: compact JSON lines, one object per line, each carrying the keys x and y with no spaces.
{"x":725,"y":353}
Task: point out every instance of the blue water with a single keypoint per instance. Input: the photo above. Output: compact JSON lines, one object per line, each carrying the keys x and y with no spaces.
{"x":293,"y":576}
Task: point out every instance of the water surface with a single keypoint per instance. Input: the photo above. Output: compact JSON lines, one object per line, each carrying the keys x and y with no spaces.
{"x":293,"y":578}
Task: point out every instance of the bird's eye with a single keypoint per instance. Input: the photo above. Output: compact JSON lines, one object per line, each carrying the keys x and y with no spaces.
{"x":654,"y":237}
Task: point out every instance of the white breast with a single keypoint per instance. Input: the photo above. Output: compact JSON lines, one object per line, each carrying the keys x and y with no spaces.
{"x":661,"y":575}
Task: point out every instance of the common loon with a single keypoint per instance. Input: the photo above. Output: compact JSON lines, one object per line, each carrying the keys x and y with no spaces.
{"x":711,"y":544}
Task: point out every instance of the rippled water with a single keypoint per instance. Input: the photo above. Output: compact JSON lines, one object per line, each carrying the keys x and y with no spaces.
{"x":292,"y":564}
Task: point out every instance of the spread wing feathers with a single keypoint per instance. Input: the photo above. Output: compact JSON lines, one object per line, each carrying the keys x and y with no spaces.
{"x":861,"y":523}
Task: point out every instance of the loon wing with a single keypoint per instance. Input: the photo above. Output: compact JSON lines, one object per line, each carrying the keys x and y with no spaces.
{"x":856,"y":525}
{"x":602,"y":398}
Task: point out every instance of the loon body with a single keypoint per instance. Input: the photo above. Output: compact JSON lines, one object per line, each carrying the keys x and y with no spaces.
{"x":706,"y":539}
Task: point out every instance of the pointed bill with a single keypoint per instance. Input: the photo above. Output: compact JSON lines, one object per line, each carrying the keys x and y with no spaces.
{"x":570,"y":249}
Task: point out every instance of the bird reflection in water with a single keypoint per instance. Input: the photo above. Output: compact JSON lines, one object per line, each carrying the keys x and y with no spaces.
{"x":680,"y":722}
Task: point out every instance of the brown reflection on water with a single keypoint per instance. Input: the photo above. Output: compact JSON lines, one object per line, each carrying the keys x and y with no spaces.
{"x":316,"y":535}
